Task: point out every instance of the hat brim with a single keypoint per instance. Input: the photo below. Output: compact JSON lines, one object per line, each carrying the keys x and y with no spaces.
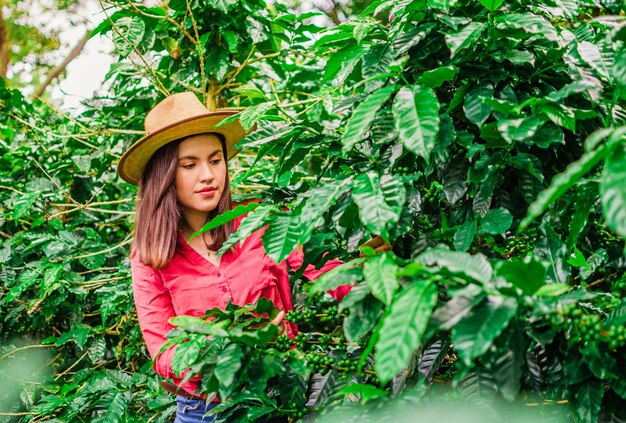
{"x":134,"y":161}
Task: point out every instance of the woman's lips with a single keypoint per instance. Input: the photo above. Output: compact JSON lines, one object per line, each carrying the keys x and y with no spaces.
{"x":207,"y":192}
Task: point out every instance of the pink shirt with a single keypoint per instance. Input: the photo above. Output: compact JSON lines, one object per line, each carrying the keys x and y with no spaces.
{"x":190,"y":285}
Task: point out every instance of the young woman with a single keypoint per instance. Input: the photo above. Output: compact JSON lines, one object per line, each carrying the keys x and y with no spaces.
{"x":181,"y":169}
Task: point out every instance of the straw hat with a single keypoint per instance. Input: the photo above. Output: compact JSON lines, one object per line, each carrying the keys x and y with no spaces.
{"x":178,"y":116}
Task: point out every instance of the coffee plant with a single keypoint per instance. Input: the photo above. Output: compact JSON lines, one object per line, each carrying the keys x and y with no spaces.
{"x":483,"y":140}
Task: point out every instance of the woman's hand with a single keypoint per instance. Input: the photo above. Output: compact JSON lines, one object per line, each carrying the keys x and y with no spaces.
{"x":278,"y":321}
{"x":378,"y":244}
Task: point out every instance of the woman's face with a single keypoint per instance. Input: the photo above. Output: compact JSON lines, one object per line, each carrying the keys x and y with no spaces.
{"x":200,"y":175}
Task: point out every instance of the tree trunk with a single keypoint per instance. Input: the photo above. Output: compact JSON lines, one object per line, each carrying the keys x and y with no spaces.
{"x":4,"y":46}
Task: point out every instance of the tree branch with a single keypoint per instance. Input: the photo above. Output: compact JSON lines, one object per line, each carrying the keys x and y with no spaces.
{"x":57,"y":70}
{"x":157,"y":82}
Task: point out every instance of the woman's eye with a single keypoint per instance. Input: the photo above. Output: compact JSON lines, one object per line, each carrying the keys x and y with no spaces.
{"x":217,"y":161}
{"x":188,"y":165}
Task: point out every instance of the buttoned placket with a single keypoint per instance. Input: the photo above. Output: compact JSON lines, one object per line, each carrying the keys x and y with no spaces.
{"x":211,"y":267}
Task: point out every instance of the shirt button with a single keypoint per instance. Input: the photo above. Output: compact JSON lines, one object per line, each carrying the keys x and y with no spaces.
{"x":219,"y":275}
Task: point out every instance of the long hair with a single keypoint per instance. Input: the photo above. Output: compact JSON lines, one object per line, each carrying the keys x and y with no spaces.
{"x":159,"y":216}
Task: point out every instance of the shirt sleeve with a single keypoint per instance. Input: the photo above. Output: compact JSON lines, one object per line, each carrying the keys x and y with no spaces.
{"x":295,"y":260}
{"x":154,"y":309}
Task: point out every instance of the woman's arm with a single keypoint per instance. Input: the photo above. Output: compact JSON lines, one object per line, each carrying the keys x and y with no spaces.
{"x":295,"y":260}
{"x":154,"y":309}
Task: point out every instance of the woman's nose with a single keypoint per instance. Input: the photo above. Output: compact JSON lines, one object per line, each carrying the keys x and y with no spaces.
{"x":206,"y":174}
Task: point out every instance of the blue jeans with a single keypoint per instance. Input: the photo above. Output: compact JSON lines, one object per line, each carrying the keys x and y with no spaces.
{"x":193,"y":411}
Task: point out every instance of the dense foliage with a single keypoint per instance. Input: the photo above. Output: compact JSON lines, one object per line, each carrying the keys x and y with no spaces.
{"x":483,"y":140}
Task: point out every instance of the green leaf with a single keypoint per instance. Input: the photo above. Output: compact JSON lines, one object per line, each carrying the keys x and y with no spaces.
{"x":552,"y":251}
{"x":376,"y":62}
{"x":366,"y":391}
{"x":475,"y":267}
{"x":525,"y":25}
{"x":567,"y":90}
{"x":111,"y":408}
{"x":249,"y":91}
{"x":410,"y":37}
{"x":508,"y":365}
{"x":317,"y":202}
{"x":477,"y":384}
{"x":248,"y":224}
{"x":185,"y":320}
{"x":383,"y":128}
{"x":27,"y":278}
{"x":96,"y":349}
{"x":269,"y":134}
{"x":560,"y":115}
{"x":520,"y":57}
{"x":259,"y":337}
{"x":105,"y":25}
{"x":343,"y":274}
{"x":518,"y":129}
{"x":361,"y":29}
{"x":528,"y":276}
{"x":380,"y":275}
{"x":465,"y":235}
{"x":265,"y":307}
{"x":553,"y":290}
{"x":186,"y":353}
{"x":464,"y":38}
{"x":563,"y":181}
{"x":250,"y":115}
{"x":588,"y":397}
{"x":547,"y":135}
{"x":341,"y":64}
{"x":79,"y":334}
{"x":601,"y":363}
{"x":50,"y":277}
{"x":281,"y":238}
{"x":613,"y":190}
{"x":585,"y":197}
{"x":222,"y":5}
{"x":599,"y":60}
{"x":441,"y":4}
{"x":48,"y":404}
{"x":23,"y":204}
{"x":225,"y":217}
{"x":379,"y":206}
{"x":455,"y":181}
{"x":617,"y":317}
{"x":529,"y":163}
{"x":362,"y":318}
{"x":475,"y":333}
{"x":5,"y":254}
{"x":619,"y":68}
{"x":432,"y":357}
{"x":228,"y":364}
{"x":577,"y":259}
{"x":416,"y":117}
{"x":359,"y":123}
{"x":403,"y":327}
{"x":130,"y":32}
{"x":482,"y":200}
{"x":497,"y":221}
{"x":436,"y":77}
{"x":451,"y":312}
{"x":491,"y":4}
{"x":474,"y":107}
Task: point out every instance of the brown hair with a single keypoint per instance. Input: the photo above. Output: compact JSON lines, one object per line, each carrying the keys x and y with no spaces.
{"x":158,"y":217}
